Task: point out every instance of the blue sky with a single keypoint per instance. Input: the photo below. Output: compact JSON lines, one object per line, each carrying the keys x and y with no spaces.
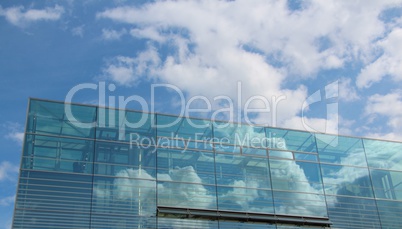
{"x":283,"y":51}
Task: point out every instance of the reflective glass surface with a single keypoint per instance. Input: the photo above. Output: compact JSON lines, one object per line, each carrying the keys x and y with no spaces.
{"x":171,"y":223}
{"x":290,"y":140}
{"x":387,"y":184}
{"x":187,"y":128}
{"x":341,"y":150}
{"x":130,"y":126}
{"x":51,"y":118}
{"x":383,"y":155}
{"x":114,"y":158}
{"x":48,"y":199}
{"x":244,"y":225}
{"x":346,"y":181}
{"x":348,"y":212}
{"x":390,"y":213}
{"x":105,"y":168}
{"x":58,"y":154}
{"x":239,"y":135}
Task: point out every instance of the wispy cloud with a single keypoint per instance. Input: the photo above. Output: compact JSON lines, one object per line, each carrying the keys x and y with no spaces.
{"x":111,"y":34}
{"x":7,"y":201}
{"x":18,"y":16}
{"x":8,"y":171}
{"x":78,"y":31}
{"x":14,"y":132}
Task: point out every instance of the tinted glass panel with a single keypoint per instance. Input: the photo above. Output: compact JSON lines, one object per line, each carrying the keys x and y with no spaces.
{"x":347,"y":212}
{"x":53,"y":199}
{"x":244,"y":225}
{"x":49,"y":219}
{"x":240,"y":135}
{"x":300,"y":204}
{"x":249,"y":171}
{"x":295,"y":176}
{"x":290,"y":140}
{"x":188,"y":166}
{"x":121,"y":125}
{"x":50,"y":118}
{"x":383,"y":155}
{"x":254,"y":151}
{"x":387,"y":184}
{"x":245,"y":197}
{"x":58,"y":154}
{"x":341,"y":150}
{"x":186,"y":195}
{"x":346,"y":180}
{"x":189,"y":129}
{"x":118,"y":159}
{"x":121,"y":221}
{"x":172,"y":223}
{"x":120,"y":196}
{"x":390,"y":213}
{"x":227,"y":148}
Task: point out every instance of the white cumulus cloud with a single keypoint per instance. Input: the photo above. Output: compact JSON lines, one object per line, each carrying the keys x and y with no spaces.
{"x":389,"y":64}
{"x":390,"y":107}
{"x":212,"y":45}
{"x":20,"y":16}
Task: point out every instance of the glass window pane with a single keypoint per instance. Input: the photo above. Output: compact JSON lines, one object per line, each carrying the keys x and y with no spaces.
{"x":38,"y":219}
{"x":245,"y":197}
{"x":341,"y":150}
{"x":387,"y":184}
{"x":227,"y":148}
{"x":123,"y":201}
{"x":244,"y":225}
{"x":53,"y":199}
{"x":305,"y":157}
{"x":243,"y":183}
{"x":129,"y":126}
{"x":187,"y":128}
{"x":281,"y":154}
{"x":247,"y":170}
{"x":106,"y":221}
{"x":113,"y":158}
{"x":254,"y":151}
{"x":348,"y":212}
{"x":188,"y":166}
{"x":239,"y":135}
{"x":295,"y":176}
{"x":170,"y":223}
{"x":300,"y":204}
{"x":346,"y":181}
{"x":290,"y":140}
{"x":58,"y":154}
{"x":390,"y":213}
{"x":383,"y":155}
{"x":186,"y":195}
{"x":50,"y":118}
{"x":124,"y":195}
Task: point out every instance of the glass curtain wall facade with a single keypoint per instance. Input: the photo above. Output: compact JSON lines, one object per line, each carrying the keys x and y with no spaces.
{"x":98,"y":167}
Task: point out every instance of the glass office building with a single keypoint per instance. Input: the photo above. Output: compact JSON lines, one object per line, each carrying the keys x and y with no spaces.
{"x":92,"y":167}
